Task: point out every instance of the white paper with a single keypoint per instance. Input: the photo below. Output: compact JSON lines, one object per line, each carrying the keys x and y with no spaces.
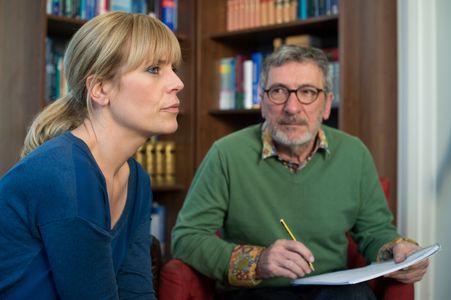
{"x":369,"y":272}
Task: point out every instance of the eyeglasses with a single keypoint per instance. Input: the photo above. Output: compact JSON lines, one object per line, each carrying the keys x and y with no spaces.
{"x":305,"y":94}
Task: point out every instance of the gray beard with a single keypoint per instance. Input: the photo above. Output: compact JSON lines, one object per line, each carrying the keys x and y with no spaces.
{"x":281,"y":138}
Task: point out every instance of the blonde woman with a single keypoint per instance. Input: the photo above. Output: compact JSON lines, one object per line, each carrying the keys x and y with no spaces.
{"x":75,"y":211}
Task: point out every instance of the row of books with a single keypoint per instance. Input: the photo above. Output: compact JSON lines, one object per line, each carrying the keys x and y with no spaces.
{"x":55,"y":81}
{"x":242,"y":14}
{"x":166,"y":10}
{"x":239,"y":80}
{"x":158,"y":159}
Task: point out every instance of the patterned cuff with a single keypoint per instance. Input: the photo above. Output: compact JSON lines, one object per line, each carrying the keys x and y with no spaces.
{"x":243,"y":266}
{"x":386,"y":251}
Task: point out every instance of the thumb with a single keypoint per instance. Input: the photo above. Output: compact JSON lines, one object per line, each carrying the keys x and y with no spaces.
{"x":398,"y":255}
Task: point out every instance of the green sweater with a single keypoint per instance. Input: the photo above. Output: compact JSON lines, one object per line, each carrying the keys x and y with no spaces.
{"x":234,"y":189}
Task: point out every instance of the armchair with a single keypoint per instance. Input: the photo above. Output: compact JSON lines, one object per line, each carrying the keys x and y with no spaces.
{"x":178,"y":281}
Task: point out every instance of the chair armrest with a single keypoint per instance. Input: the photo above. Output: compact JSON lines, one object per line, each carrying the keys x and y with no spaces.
{"x":180,"y":281}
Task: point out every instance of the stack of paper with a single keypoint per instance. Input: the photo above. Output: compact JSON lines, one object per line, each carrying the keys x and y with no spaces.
{"x":369,"y":272}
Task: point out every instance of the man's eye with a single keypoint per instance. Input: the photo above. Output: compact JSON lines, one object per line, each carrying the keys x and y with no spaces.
{"x":308,"y":92}
{"x":153,"y":69}
{"x":278,"y":90}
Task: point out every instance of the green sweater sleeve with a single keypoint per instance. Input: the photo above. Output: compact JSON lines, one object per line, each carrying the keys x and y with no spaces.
{"x":194,"y":238}
{"x":373,"y":226}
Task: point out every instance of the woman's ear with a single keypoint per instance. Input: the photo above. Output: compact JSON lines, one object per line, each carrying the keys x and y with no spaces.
{"x":99,"y":90}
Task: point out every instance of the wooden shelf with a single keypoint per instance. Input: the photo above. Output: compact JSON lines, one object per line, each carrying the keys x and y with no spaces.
{"x":66,"y":27}
{"x":234,"y":112}
{"x":323,"y":26}
{"x":63,"y":26}
{"x":167,"y":188}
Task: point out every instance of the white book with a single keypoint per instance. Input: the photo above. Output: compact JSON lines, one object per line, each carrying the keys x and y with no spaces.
{"x":369,"y":272}
{"x":248,"y":70}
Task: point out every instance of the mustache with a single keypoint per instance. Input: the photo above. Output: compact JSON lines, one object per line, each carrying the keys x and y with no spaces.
{"x":292,"y":120}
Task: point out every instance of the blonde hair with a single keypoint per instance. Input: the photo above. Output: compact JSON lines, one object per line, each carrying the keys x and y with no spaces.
{"x":101,"y":47}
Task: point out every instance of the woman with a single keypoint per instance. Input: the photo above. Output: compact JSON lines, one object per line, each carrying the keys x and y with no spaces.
{"x":75,"y":211}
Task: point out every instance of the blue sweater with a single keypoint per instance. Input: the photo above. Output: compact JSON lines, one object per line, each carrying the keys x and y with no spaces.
{"x":56,"y":239}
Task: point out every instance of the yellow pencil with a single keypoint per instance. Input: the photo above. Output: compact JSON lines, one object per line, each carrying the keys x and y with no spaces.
{"x":293,"y":238}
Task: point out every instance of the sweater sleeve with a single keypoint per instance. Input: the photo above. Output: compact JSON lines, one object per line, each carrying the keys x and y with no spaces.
{"x":135,"y":277}
{"x":80,"y":257}
{"x":194,"y":238}
{"x":373,"y":227}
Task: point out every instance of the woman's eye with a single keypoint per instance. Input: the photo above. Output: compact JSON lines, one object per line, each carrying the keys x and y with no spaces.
{"x":174,"y":69}
{"x":153,"y":69}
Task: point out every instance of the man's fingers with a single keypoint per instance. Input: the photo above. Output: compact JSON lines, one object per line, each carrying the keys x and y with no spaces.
{"x":285,"y":258}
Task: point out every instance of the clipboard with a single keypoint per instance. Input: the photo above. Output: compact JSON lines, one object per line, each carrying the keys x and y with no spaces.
{"x":369,"y":272}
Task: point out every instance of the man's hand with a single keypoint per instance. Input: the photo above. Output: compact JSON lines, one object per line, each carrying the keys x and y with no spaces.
{"x":413,"y":273}
{"x":285,"y":258}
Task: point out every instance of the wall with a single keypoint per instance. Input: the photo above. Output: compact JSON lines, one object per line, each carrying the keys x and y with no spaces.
{"x":424,"y":130}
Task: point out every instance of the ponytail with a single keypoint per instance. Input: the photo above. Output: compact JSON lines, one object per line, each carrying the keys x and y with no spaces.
{"x":57,"y":118}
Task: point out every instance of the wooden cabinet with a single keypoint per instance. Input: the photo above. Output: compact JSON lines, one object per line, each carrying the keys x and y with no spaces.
{"x":366,"y":35}
{"x":22,"y":28}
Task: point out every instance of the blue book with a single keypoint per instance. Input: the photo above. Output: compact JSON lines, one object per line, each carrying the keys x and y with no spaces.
{"x":257,"y":59}
{"x":83,"y":7}
{"x":121,"y":5}
{"x":169,"y":13}
{"x":157,"y":224}
{"x":302,"y":8}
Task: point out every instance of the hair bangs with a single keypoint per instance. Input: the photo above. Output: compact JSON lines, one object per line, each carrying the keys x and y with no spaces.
{"x":151,"y":42}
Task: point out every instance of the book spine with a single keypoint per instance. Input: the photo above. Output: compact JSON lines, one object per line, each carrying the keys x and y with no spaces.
{"x":247,"y":83}
{"x":169,"y":153}
{"x":150,"y":159}
{"x":169,"y":13}
{"x":159,"y":163}
{"x":227,"y":85}
{"x":158,"y":224}
{"x":257,"y":59}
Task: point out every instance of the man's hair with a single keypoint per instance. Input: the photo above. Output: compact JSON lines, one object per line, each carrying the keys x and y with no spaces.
{"x":293,"y":53}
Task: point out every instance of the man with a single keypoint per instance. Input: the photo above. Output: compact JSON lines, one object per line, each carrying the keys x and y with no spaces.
{"x":321,"y":181}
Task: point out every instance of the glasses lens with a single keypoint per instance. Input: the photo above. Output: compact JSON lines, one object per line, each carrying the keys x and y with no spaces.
{"x":278,"y":94}
{"x":307,"y":94}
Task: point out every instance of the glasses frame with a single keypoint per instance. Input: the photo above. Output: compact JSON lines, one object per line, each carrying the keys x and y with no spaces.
{"x":318,"y":91}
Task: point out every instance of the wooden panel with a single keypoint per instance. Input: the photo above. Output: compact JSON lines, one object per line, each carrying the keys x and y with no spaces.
{"x":22,"y":30}
{"x":184,"y":137}
{"x":368,"y":60}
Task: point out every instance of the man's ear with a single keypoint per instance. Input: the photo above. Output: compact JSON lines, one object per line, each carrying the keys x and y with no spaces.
{"x":328,"y":105}
{"x":99,"y":90}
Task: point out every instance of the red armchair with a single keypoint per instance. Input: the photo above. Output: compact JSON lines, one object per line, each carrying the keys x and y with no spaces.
{"x":178,"y":281}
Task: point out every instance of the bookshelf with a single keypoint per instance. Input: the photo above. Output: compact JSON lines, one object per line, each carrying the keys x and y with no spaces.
{"x":363,"y":31}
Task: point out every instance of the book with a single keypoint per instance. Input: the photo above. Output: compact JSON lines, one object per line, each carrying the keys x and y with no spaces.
{"x":305,"y":40}
{"x":369,"y":272}
{"x":157,"y":224}
{"x":169,"y":161}
{"x":239,"y":81}
{"x":227,"y":83}
{"x":257,"y":60}
{"x":247,"y":83}
{"x":169,"y":13}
